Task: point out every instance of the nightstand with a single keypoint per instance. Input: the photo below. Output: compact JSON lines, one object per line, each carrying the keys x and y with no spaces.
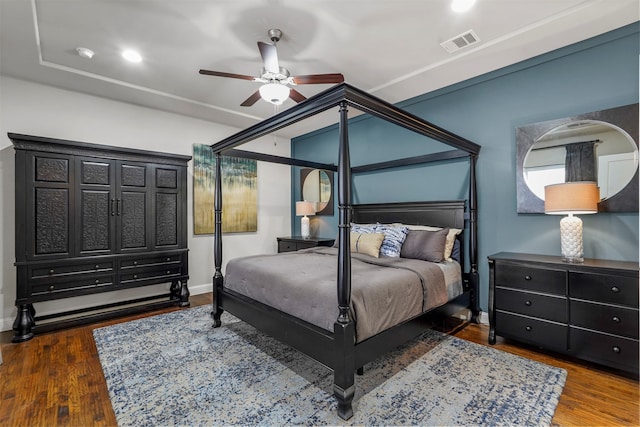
{"x":295,"y":243}
{"x":588,"y":311}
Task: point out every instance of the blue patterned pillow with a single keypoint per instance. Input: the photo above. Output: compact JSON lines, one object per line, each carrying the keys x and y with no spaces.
{"x":364,"y":228}
{"x":393,"y":239}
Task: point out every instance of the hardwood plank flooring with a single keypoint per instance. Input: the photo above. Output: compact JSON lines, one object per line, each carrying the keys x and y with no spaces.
{"x":56,"y":379}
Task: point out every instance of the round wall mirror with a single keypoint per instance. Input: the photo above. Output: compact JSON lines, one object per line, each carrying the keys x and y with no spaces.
{"x":317,"y":185}
{"x":586,"y":150}
{"x":601,"y":146}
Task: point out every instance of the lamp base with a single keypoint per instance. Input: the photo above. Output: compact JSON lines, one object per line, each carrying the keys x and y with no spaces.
{"x":304,"y":227}
{"x":571,"y":239}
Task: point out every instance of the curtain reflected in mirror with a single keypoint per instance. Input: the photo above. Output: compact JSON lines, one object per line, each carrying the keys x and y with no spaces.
{"x":317,"y":187}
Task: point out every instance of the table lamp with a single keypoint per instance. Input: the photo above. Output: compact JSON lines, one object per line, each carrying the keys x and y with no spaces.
{"x":303,"y":209}
{"x":571,"y":198}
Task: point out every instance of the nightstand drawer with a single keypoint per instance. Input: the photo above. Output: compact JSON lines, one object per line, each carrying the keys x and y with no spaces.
{"x":531,"y":278}
{"x":286,"y":246}
{"x":530,"y":304}
{"x":617,"y":352}
{"x":605,"y":318}
{"x":533,"y":331}
{"x":609,"y":288}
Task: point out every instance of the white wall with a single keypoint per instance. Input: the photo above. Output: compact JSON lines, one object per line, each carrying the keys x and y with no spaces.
{"x":40,"y":110}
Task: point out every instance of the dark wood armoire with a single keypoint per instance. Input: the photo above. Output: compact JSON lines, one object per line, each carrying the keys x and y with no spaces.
{"x":92,"y":219}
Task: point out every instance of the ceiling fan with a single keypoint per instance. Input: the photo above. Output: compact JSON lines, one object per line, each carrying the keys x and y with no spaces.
{"x":276,"y":79}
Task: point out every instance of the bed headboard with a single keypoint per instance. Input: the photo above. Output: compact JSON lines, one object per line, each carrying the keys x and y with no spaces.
{"x":438,"y":214}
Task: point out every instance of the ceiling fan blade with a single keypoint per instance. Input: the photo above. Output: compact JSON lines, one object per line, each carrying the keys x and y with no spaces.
{"x":318,"y":79}
{"x":296,"y":96}
{"x":269,"y":57}
{"x":251,"y":100}
{"x":222,"y":74}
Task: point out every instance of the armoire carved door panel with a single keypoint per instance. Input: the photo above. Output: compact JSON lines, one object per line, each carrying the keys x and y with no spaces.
{"x":51,"y":191}
{"x":132,"y":206}
{"x":168,"y":215}
{"x":96,"y":205}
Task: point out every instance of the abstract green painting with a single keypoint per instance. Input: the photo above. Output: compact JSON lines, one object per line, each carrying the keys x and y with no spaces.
{"x":239,"y":192}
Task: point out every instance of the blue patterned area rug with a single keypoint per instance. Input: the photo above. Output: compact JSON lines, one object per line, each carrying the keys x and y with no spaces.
{"x":175,"y":369}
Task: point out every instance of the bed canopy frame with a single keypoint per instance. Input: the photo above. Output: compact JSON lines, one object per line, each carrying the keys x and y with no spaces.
{"x":338,"y":351}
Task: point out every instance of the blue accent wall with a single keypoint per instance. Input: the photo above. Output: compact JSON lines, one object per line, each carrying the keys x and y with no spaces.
{"x":596,"y":74}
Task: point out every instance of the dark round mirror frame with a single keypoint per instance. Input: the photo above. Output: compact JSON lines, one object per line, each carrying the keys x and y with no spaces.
{"x":328,"y":209}
{"x":625,"y":117}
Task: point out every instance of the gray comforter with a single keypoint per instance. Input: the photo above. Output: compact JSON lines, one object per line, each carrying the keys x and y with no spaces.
{"x":384,"y":291}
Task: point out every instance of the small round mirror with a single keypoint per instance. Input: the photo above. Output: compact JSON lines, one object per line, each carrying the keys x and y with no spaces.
{"x":316,"y":188}
{"x":584,"y":150}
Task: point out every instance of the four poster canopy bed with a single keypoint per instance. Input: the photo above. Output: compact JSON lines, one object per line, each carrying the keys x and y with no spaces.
{"x":345,"y":306}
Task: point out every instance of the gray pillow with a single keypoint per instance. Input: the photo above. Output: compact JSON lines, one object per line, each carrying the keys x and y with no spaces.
{"x":425,"y":245}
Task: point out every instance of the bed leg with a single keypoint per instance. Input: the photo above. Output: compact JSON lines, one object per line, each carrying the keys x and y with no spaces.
{"x":344,"y":370}
{"x":474,"y":280}
{"x":217,"y":310}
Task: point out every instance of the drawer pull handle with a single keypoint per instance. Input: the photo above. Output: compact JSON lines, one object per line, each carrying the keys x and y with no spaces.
{"x":528,"y":328}
{"x":615,"y":289}
{"x":616,"y":349}
{"x":52,"y":271}
{"x":168,"y":259}
{"x":527,"y":303}
{"x":616,"y":319}
{"x":135,"y":276}
{"x":527,"y":277}
{"x":168,"y":272}
{"x":97,"y":281}
{"x":135,"y":262}
{"x":97,"y":267}
{"x":51,"y":287}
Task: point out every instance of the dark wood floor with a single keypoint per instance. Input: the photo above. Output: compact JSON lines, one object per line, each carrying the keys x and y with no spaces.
{"x":56,"y":379}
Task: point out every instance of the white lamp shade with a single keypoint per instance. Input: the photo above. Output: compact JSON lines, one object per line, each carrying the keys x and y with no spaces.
{"x":580,"y":197}
{"x":305,"y":208}
{"x":274,"y":93}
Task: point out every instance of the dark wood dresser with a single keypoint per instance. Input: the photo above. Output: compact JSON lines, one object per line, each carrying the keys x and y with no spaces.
{"x":295,"y":243}
{"x":588,"y":310}
{"x":92,"y":219}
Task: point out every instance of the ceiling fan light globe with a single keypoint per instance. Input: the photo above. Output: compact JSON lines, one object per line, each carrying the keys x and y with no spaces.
{"x":274,"y":93}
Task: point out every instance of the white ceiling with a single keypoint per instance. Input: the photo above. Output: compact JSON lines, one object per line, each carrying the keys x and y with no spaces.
{"x":388,"y":48}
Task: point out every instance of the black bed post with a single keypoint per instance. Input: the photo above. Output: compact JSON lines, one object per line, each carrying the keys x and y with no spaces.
{"x":474,"y":277}
{"x":218,"y":280}
{"x":344,"y":329}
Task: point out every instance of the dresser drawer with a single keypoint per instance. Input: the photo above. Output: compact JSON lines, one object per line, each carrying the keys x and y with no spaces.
{"x":530,"y":330}
{"x":62,"y":270}
{"x":531,"y":278}
{"x":533,"y":305}
{"x":56,"y":286}
{"x":610,"y":350}
{"x":608,"y":288}
{"x":605,"y":318}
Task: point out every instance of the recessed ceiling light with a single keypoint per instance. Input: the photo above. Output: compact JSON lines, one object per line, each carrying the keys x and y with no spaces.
{"x":84,"y":52}
{"x":462,"y":5}
{"x":131,"y":55}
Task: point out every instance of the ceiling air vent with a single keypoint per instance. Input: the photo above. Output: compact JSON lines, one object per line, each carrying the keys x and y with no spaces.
{"x":460,"y":41}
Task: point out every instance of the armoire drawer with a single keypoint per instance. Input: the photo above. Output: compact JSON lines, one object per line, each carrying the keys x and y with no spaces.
{"x":609,"y":288}
{"x":60,"y":269}
{"x":168,"y":272}
{"x":611,"y":350}
{"x":531,"y":278}
{"x":612,"y":319}
{"x":42,"y":287}
{"x":531,"y":304}
{"x":534,"y":331}
{"x":140,"y":261}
